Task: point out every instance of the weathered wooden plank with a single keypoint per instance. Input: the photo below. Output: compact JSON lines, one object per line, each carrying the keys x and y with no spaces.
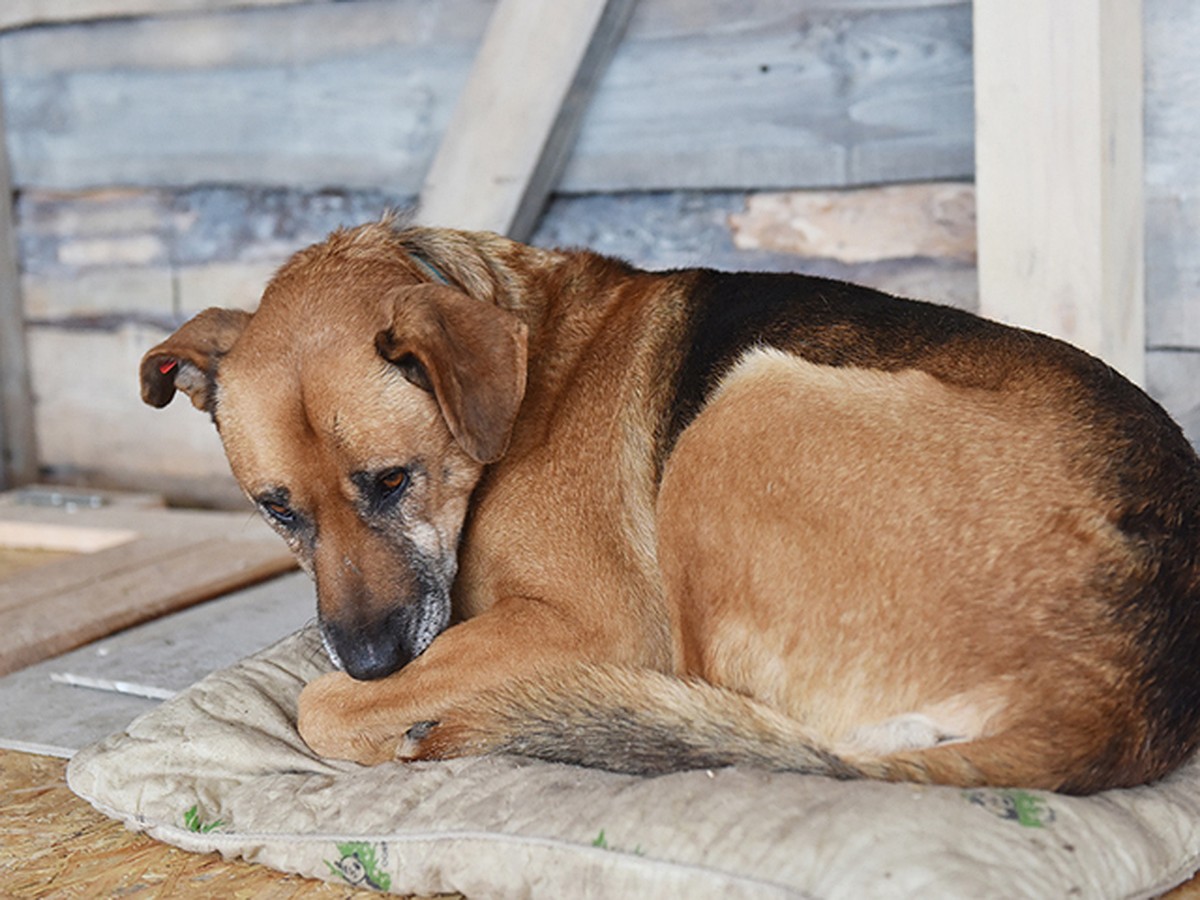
{"x":172,"y":579}
{"x":1172,"y":148}
{"x":61,"y":538}
{"x":21,"y":13}
{"x":697,"y":95}
{"x":901,"y":221}
{"x":83,"y":571}
{"x":169,"y":654}
{"x":1171,"y":378}
{"x":516,"y":121}
{"x":1059,"y":171}
{"x":795,"y":100}
{"x":18,"y":441}
{"x":98,"y":424}
{"x":1173,"y":268}
{"x":1172,"y":80}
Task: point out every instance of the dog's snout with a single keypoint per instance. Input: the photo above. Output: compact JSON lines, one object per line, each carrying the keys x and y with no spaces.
{"x":369,"y":651}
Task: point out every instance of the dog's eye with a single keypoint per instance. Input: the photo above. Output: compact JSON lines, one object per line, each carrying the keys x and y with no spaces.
{"x":282,"y":514}
{"x":392,"y":482}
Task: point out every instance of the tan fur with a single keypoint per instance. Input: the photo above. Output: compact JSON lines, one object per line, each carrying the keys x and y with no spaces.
{"x":913,"y":566}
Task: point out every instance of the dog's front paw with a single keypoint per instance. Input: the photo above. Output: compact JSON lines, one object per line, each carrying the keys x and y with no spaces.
{"x":339,"y":719}
{"x":371,"y":723}
{"x":419,"y":742}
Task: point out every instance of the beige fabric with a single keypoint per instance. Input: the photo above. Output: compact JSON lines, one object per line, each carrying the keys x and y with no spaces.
{"x":221,"y":767}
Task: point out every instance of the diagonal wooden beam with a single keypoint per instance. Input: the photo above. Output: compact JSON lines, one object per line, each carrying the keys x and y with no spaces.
{"x":1058,"y":94}
{"x":519,"y":114}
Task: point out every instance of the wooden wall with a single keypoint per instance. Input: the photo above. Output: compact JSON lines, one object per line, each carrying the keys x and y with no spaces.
{"x":1172,"y":156}
{"x":701,"y":94}
{"x":168,"y":162}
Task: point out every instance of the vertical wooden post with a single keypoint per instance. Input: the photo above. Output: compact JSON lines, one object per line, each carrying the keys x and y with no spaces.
{"x":1058,"y":105}
{"x":519,"y":114}
{"x":18,"y":446}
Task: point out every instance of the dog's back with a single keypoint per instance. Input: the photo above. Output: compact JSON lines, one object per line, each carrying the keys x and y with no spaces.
{"x":908,"y":543}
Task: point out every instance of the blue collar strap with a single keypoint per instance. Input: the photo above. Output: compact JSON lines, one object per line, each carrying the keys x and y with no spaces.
{"x":430,"y":269}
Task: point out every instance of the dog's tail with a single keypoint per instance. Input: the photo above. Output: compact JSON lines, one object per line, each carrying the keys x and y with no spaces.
{"x":643,"y":722}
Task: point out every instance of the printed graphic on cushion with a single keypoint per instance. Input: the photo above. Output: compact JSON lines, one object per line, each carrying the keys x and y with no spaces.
{"x":359,"y":865}
{"x":1022,"y":807}
{"x":193,"y":822}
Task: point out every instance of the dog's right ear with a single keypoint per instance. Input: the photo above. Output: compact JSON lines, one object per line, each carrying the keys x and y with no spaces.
{"x":187,"y":360}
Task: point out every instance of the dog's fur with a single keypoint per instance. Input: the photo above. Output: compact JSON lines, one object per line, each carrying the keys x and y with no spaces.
{"x":694,"y":519}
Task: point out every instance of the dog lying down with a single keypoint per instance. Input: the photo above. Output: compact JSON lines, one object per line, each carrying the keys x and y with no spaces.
{"x":561,"y":507}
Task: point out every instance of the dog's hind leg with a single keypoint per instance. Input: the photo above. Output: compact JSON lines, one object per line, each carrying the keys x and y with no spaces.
{"x":854,"y":548}
{"x":1013,"y":758}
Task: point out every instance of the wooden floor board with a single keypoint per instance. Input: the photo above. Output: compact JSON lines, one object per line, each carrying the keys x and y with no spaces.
{"x":144,"y":563}
{"x":54,"y":845}
{"x":168,"y":654}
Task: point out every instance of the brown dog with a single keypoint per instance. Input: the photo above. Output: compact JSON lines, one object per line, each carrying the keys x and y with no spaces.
{"x":694,"y":519}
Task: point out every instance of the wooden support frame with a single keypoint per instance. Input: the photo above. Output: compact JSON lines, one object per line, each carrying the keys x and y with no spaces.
{"x":1058,"y":94}
{"x":519,"y":114}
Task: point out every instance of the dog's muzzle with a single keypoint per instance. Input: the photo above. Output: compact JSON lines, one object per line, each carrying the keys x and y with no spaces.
{"x":372,"y":650}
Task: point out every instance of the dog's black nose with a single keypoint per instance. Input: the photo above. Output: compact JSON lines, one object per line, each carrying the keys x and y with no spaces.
{"x":371,"y":651}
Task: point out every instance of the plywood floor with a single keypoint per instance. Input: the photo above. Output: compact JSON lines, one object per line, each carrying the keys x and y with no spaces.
{"x":54,"y":845}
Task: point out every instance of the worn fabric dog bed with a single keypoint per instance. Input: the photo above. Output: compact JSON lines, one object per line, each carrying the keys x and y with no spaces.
{"x":221,"y":767}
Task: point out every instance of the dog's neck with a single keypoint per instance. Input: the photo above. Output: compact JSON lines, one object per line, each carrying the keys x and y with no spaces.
{"x":537,"y":285}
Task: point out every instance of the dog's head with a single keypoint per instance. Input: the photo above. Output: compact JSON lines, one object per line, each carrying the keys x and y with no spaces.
{"x":357,"y":407}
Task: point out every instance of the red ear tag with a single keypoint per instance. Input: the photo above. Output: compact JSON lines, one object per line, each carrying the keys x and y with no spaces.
{"x":166,"y":367}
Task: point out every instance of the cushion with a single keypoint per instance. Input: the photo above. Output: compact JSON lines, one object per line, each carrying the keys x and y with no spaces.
{"x":221,"y":767}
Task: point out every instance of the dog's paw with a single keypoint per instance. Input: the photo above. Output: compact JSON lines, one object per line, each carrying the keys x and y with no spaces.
{"x":418,"y":743}
{"x":371,"y":723}
{"x":339,"y":718}
{"x":451,"y":736}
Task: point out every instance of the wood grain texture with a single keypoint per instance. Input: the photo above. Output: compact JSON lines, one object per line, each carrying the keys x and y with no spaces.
{"x":23,"y":13}
{"x":168,"y":654}
{"x":52,"y":844}
{"x":781,"y":97}
{"x":1172,"y":149}
{"x":697,"y":95}
{"x":1058,"y":95}
{"x":18,"y":438}
{"x":515,"y":123}
{"x":174,"y":561}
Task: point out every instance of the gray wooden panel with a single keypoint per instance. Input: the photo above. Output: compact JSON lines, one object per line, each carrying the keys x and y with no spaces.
{"x":1171,"y":379}
{"x":1172,"y":149}
{"x":699,"y":95}
{"x":786,"y":98}
{"x":18,"y":441}
{"x":169,"y":654}
{"x":22,"y":13}
{"x":1173,"y":268}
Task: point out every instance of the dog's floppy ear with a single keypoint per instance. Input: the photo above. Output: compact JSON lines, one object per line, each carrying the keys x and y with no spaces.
{"x":471,"y":354}
{"x":187,"y":360}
